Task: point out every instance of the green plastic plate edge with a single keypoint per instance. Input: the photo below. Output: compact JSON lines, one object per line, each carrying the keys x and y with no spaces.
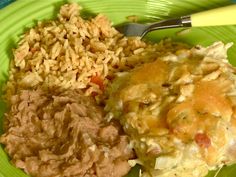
{"x":22,"y":14}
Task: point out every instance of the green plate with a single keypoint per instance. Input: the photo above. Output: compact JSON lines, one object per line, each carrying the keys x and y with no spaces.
{"x":22,"y":14}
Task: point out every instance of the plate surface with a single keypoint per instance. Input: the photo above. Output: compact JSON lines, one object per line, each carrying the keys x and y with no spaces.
{"x":22,"y":14}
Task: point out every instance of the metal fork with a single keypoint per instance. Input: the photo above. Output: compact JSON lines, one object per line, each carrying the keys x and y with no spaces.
{"x":214,"y":17}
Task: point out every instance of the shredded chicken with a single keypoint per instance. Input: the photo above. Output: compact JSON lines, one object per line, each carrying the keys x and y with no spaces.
{"x":179,"y":111}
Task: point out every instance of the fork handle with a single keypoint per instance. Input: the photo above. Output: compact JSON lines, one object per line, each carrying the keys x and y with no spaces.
{"x":215,"y":17}
{"x":184,"y":21}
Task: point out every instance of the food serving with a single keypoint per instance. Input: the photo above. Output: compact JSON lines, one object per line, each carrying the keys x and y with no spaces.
{"x":84,"y":100}
{"x":179,"y":111}
{"x":56,"y":124}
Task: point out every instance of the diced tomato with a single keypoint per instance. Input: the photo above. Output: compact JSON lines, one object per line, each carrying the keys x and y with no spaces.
{"x":202,"y":140}
{"x":99,"y":81}
{"x":110,"y":77}
{"x":94,"y":94}
{"x":33,"y":49}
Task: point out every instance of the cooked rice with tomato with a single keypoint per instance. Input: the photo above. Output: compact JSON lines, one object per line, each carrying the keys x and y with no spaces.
{"x":73,"y":53}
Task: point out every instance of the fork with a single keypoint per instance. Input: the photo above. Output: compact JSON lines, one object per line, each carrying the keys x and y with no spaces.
{"x":214,"y":17}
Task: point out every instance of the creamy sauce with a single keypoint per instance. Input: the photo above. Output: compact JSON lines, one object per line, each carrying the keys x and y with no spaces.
{"x":180,"y":104}
{"x":150,"y":73}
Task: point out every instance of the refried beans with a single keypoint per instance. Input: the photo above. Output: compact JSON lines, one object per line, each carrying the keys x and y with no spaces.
{"x":60,"y":135}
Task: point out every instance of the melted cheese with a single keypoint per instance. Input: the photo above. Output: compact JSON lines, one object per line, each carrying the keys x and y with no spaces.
{"x":173,"y":101}
{"x":210,"y":97}
{"x":200,"y":111}
{"x":156,"y":72}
